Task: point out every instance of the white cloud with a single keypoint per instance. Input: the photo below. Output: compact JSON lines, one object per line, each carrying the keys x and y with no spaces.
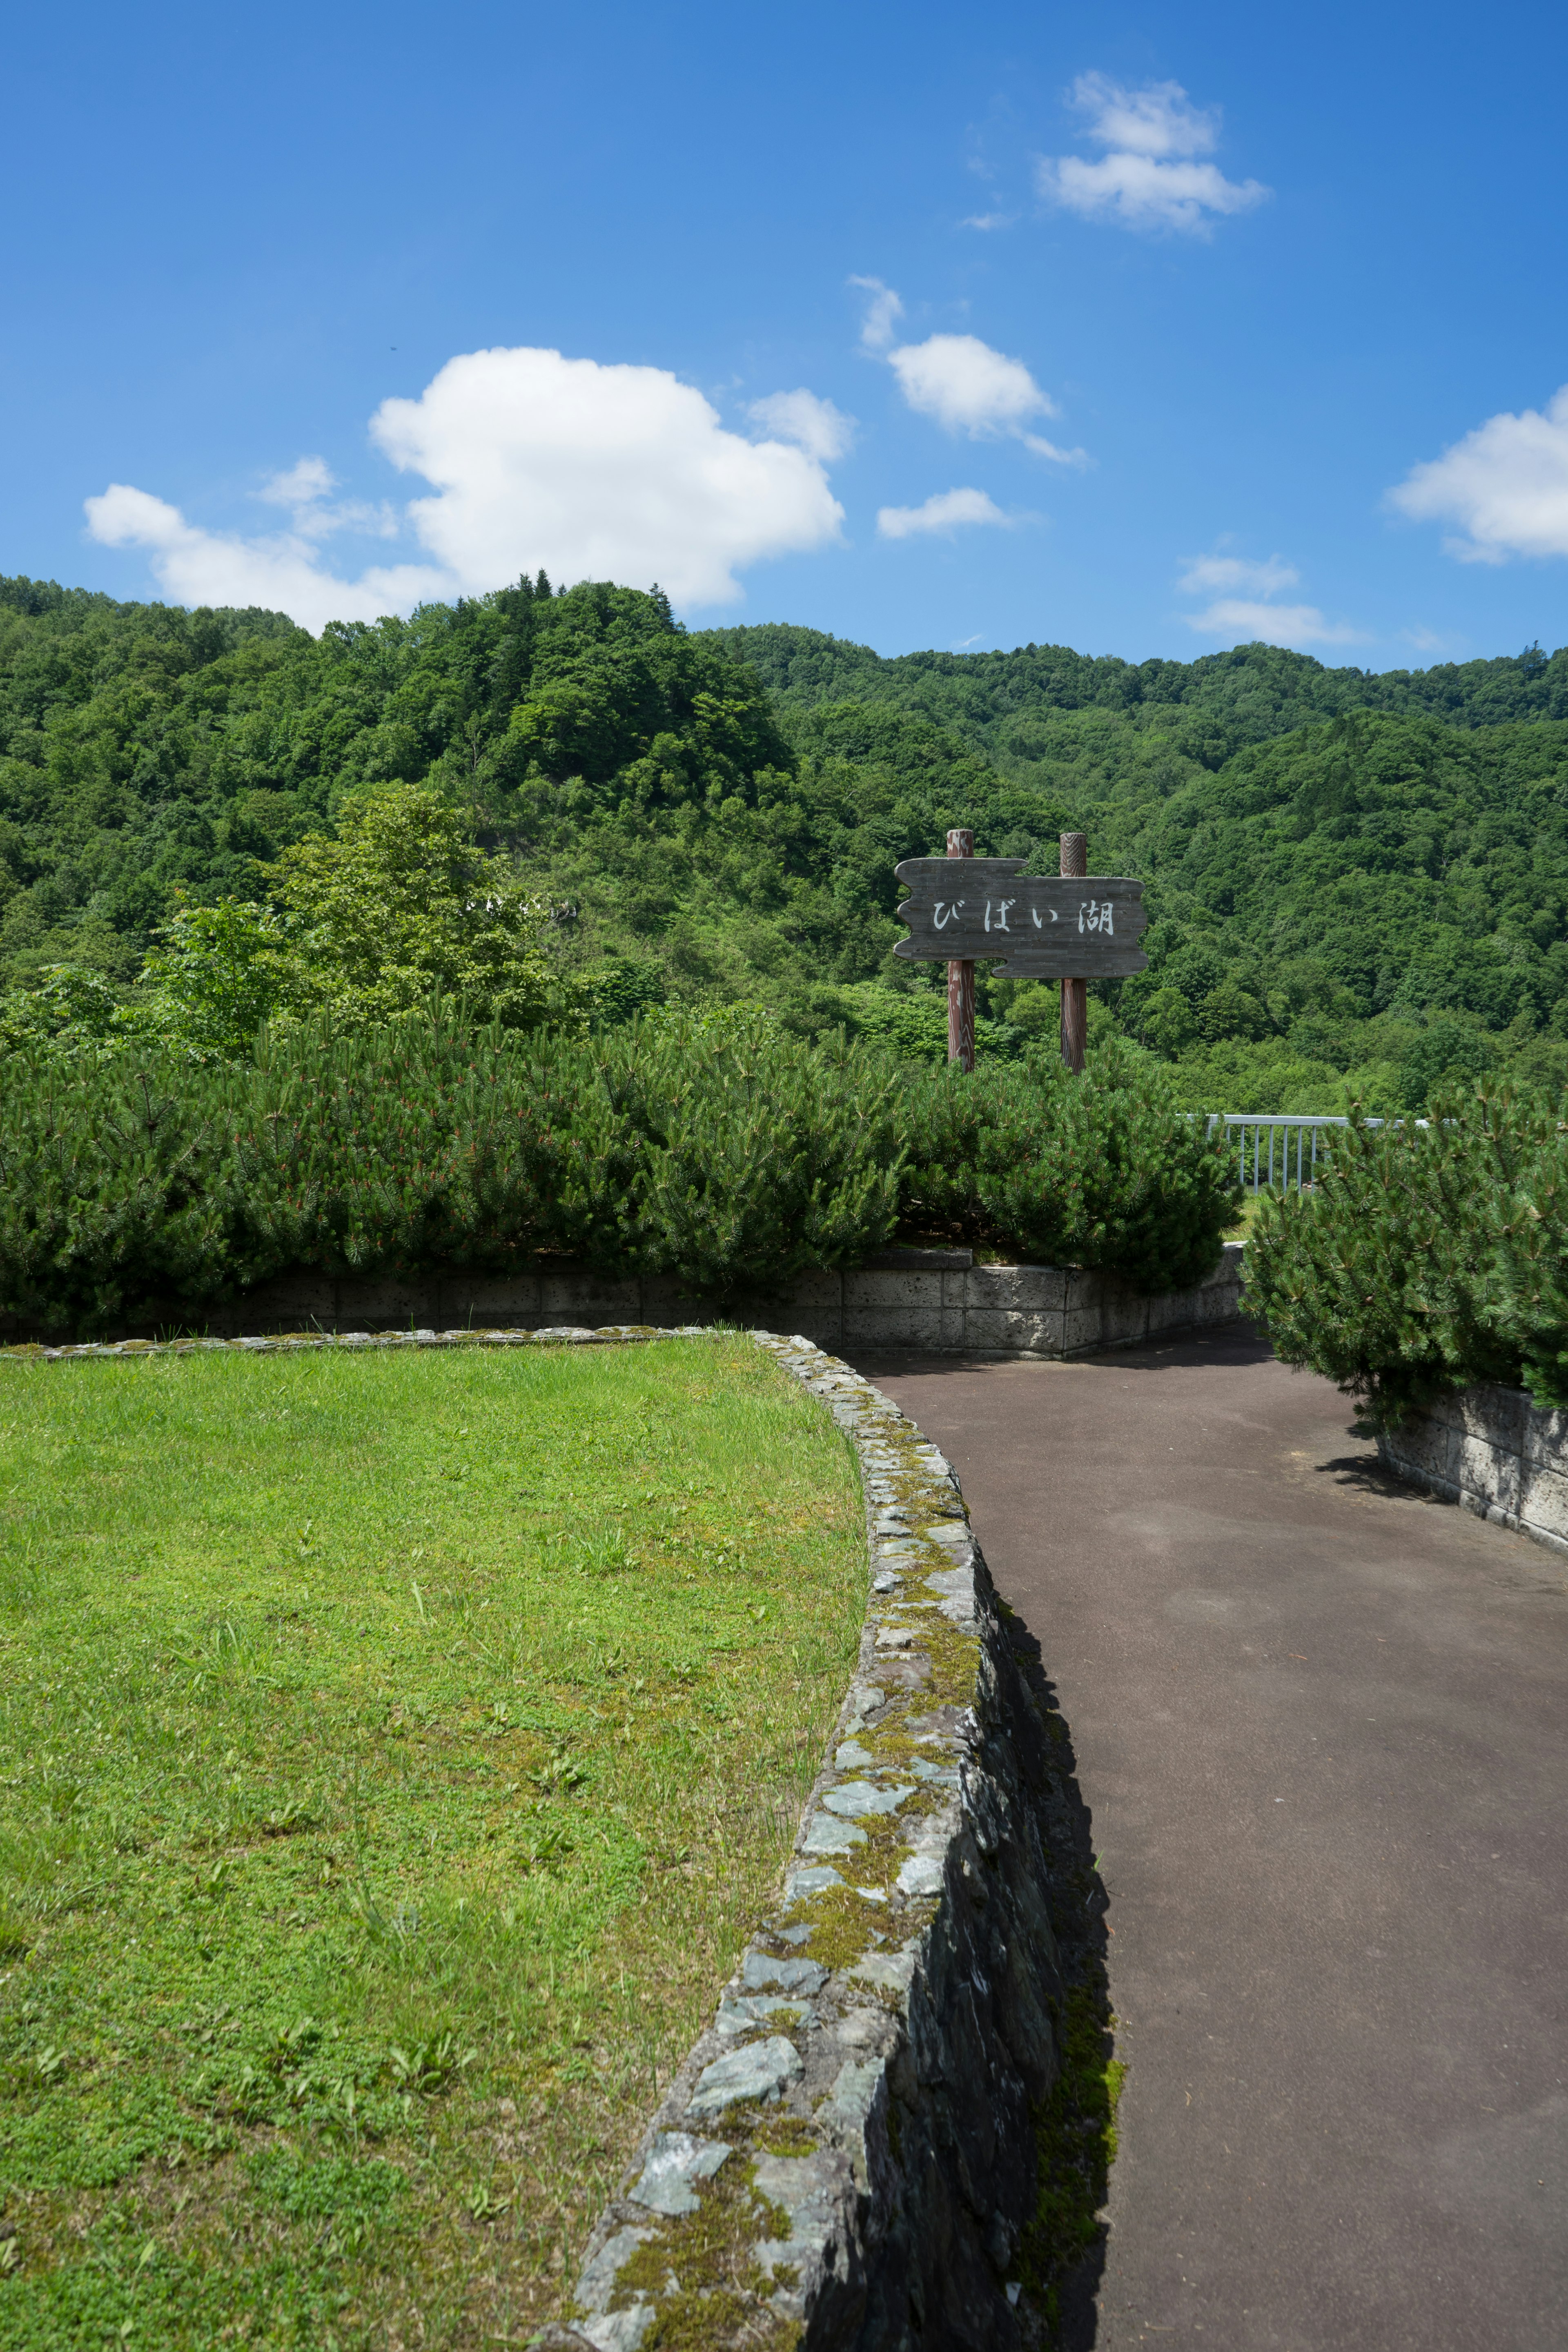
{"x":310,"y":480}
{"x":601,"y":472}
{"x":969,"y":388}
{"x":989,"y":220}
{"x":303,"y":490}
{"x":945,"y":511}
{"x":1242,"y":619}
{"x":285,"y":574}
{"x":1506,"y":484}
{"x":1157,"y":119}
{"x":1276,"y":624}
{"x":1147,"y":179}
{"x":1220,"y":572}
{"x":815,"y":425}
{"x":882,"y":313}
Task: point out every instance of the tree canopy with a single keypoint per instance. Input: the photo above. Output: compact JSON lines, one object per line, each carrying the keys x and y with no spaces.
{"x":1358,"y":881}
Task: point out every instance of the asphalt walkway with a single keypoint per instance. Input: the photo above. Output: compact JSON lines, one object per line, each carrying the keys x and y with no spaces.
{"x":1321,"y":1724}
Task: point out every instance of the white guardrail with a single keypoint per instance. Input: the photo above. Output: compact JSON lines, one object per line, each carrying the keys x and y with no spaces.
{"x":1272,"y":1150}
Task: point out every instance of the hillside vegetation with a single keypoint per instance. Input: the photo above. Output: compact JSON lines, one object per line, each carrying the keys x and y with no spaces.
{"x":1358,"y":882}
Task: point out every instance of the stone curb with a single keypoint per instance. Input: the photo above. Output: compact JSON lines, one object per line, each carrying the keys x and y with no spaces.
{"x":566,"y":1335}
{"x":847,"y":2160}
{"x":847,"y":2156}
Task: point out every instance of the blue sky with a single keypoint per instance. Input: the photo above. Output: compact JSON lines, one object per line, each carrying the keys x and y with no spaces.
{"x":1145,"y":332}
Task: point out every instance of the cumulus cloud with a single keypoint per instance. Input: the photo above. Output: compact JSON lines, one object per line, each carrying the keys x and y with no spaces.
{"x":604,"y":473}
{"x":1506,"y":486}
{"x":961,"y":383}
{"x":883,"y":312}
{"x":284,"y":573}
{"x":945,"y":512}
{"x":1147,"y":179}
{"x":1243,"y":619}
{"x":600,"y":472}
{"x":967,"y":386}
{"x":303,"y":485}
{"x":813,"y":424}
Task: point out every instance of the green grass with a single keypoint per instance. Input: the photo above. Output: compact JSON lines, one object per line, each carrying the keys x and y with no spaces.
{"x":1251,"y":1209}
{"x":394,"y":1752}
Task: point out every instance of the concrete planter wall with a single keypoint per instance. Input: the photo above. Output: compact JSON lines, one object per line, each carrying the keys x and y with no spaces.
{"x":1494,"y":1451}
{"x":937,"y":1299}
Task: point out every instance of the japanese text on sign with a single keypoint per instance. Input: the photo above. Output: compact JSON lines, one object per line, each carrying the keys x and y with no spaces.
{"x":1093,"y":915}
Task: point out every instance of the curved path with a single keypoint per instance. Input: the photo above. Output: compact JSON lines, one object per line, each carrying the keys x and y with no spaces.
{"x":1321,"y":1725}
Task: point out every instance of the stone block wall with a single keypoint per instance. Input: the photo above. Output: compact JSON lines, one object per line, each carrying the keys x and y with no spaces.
{"x":1494,"y":1451}
{"x":931,"y":1299}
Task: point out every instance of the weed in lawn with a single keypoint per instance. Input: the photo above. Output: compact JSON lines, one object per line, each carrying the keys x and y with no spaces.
{"x":374,"y":1838}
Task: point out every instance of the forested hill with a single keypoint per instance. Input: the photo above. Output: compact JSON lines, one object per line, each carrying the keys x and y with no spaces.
{"x":1359,"y":882}
{"x":1236,"y":697}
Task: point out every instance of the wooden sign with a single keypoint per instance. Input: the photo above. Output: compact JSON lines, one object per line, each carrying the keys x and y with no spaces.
{"x":1047,"y":927}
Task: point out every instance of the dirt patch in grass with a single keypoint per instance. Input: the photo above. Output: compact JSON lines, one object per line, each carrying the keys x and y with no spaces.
{"x":394,"y":1752}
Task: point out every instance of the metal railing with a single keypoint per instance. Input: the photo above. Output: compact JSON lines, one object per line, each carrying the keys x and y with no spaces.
{"x":1273,"y":1151}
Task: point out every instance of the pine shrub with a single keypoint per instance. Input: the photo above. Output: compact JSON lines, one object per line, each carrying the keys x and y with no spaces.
{"x":762,"y":1154}
{"x":1426,"y":1257}
{"x":1095,"y":1170}
{"x":727,"y":1154}
{"x":112,"y":1192}
{"x":719,"y":1150}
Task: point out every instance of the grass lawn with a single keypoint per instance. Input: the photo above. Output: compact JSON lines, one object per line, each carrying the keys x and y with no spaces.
{"x":394,"y":1748}
{"x":1251,"y":1206}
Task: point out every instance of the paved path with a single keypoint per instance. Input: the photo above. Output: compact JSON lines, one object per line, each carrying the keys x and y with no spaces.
{"x":1321,"y":1723}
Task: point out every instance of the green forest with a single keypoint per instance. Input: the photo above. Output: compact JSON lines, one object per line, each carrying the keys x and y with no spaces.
{"x":1357,"y":883}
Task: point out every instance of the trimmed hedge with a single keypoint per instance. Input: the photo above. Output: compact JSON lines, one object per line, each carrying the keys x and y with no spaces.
{"x":1097,"y":1170}
{"x":1428,"y":1257}
{"x":722,"y":1150}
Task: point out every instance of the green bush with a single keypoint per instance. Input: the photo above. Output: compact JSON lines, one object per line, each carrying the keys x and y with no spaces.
{"x":726,"y":1153}
{"x":761,"y":1154}
{"x":417,"y":1144}
{"x":715,"y":1148}
{"x":1096,"y":1170}
{"x":113,"y":1191}
{"x":1428,"y":1257}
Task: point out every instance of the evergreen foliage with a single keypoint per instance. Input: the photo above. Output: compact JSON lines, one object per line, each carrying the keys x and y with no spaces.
{"x":716,"y":1148}
{"x":724,"y":1151}
{"x":1426,"y":1257}
{"x":1098,"y":1170}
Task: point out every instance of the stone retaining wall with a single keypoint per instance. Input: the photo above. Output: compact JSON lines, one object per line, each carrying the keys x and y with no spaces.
{"x":847,"y":2161}
{"x":936,"y":1299}
{"x":1495,"y":1452}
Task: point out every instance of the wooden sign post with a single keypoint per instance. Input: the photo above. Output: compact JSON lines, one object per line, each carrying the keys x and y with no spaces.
{"x":1059,"y":926}
{"x":1073,"y":861}
{"x":961,"y":976}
